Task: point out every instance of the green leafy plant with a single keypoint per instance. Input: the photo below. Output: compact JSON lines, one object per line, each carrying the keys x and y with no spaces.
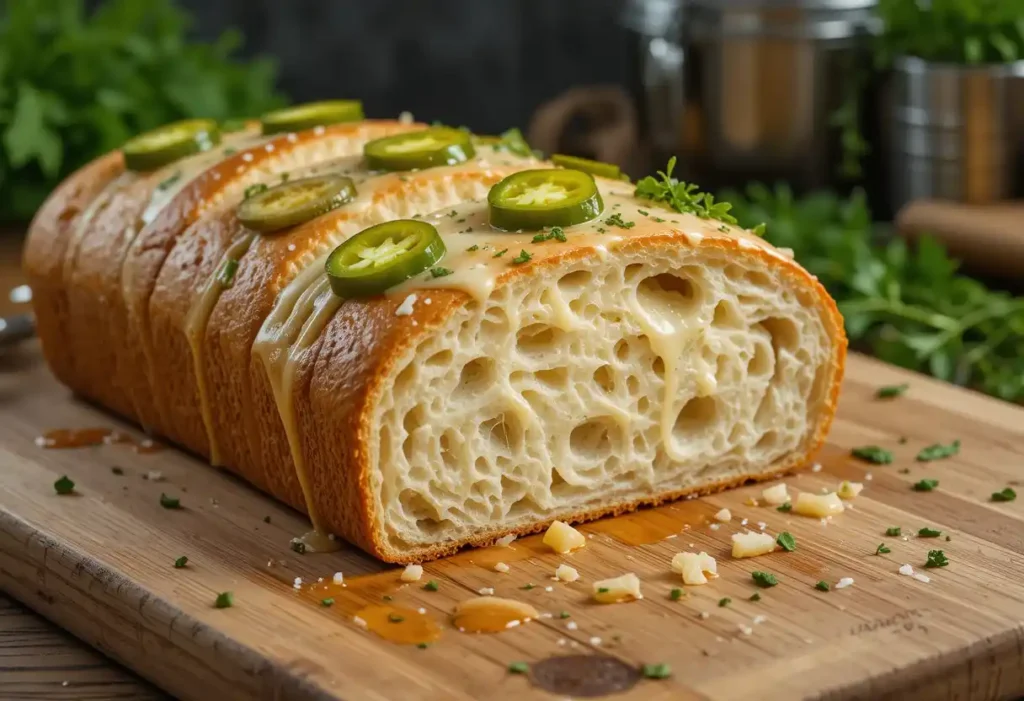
{"x":74,"y":85}
{"x":907,"y":306}
{"x":968,"y":32}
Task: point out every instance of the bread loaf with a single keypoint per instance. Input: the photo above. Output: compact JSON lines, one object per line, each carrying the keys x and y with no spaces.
{"x":648,"y":356}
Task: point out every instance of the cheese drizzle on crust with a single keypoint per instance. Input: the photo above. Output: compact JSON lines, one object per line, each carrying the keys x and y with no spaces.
{"x":312,"y":398}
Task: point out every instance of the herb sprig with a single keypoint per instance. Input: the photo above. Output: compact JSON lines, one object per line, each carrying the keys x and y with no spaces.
{"x":683,"y":197}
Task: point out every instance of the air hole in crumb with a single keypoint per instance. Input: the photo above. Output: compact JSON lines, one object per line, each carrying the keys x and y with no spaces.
{"x":477,"y":375}
{"x":538,"y":339}
{"x":763,"y":362}
{"x":633,"y":384}
{"x":622,"y":349}
{"x":595,"y":439}
{"x":784,"y":333}
{"x":575,"y":281}
{"x":695,"y":417}
{"x":553,"y":377}
{"x":727,"y":315}
{"x":632,"y":271}
{"x":451,"y":450}
{"x":768,"y":441}
{"x":503,"y":432}
{"x":643,"y":404}
{"x":658,"y":366}
{"x":495,"y":323}
{"x":405,"y":379}
{"x":415,"y":506}
{"x":670,"y":289}
{"x":440,"y":359}
{"x":604,"y":378}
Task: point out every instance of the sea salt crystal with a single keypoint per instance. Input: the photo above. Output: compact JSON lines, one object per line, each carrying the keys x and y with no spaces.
{"x":595,"y":641}
{"x":715,"y":526}
{"x":359,"y":621}
{"x":247,"y":157}
{"x":421,"y":610}
{"x":572,"y":625}
{"x":297,"y":583}
{"x":746,"y":630}
{"x":505,"y":540}
{"x":922,"y":577}
{"x":758,"y":620}
{"x":501,"y":567}
{"x":844,"y":582}
{"x":816,"y":467}
{"x":487,"y":591}
{"x":906,"y":570}
{"x":704,"y":614}
{"x":405,"y":308}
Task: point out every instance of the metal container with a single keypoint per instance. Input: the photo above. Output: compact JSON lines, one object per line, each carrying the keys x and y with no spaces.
{"x":954,"y":132}
{"x":756,"y":82}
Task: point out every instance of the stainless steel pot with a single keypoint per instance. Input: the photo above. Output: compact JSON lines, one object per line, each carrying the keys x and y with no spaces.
{"x":746,"y":89}
{"x":955,"y":132}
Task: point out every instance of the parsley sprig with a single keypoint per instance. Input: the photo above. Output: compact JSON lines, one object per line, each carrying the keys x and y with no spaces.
{"x":683,"y":197}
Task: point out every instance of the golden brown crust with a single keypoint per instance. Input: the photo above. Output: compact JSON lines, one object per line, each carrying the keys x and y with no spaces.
{"x":343,"y":374}
{"x":50,"y":242}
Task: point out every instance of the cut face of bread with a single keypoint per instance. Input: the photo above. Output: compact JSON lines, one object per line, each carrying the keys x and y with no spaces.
{"x":595,"y":384}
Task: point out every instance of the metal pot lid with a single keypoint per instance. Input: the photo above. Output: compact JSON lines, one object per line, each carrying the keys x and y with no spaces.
{"x":653,"y":17}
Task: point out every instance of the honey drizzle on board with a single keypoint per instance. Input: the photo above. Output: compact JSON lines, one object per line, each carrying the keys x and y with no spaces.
{"x":68,"y":438}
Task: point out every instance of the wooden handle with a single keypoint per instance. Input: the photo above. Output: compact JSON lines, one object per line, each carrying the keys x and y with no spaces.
{"x":989,"y":239}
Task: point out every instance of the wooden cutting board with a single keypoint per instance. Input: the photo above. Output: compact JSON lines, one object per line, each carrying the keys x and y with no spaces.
{"x":100,"y":563}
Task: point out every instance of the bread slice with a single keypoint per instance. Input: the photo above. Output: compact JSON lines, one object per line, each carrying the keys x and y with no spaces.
{"x":642,"y":359}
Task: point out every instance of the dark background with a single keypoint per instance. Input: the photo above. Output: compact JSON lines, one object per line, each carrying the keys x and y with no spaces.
{"x":486,"y":64}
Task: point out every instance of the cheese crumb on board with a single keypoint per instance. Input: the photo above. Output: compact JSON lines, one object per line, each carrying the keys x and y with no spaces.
{"x":564,"y":573}
{"x":849,"y":490}
{"x":752,"y":544}
{"x":715,"y":526}
{"x":502,"y":567}
{"x":612,"y":591}
{"x":922,"y":577}
{"x":572,"y":625}
{"x":818,"y":505}
{"x":359,"y":621}
{"x":405,"y":308}
{"x":695,"y":567}
{"x":505,"y":540}
{"x":338,"y":578}
{"x":907,"y":570}
{"x":844,"y":582}
{"x":486,"y":591}
{"x":412,"y":573}
{"x":746,"y":630}
{"x":724,"y":515}
{"x":776,"y":495}
{"x":563,"y":538}
{"x":816,"y":467}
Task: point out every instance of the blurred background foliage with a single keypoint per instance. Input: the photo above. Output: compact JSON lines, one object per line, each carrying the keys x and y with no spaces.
{"x":74,"y":84}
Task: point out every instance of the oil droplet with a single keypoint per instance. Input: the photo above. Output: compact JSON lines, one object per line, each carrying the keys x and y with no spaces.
{"x":397,"y":624}
{"x":319,"y":542}
{"x":653,"y":525}
{"x":490,"y":614}
{"x":65,"y":438}
{"x":517,"y":550}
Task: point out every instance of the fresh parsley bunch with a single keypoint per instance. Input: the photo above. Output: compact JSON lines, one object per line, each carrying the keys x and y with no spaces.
{"x":75,"y":85}
{"x":907,"y":306}
{"x":952,"y":31}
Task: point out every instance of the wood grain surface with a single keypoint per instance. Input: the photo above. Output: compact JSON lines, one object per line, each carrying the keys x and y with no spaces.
{"x":100,"y":563}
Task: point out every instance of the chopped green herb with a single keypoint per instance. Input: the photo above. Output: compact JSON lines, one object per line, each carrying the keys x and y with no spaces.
{"x":387,"y":597}
{"x":500,"y":253}
{"x":936,"y":558}
{"x":169,"y":181}
{"x":328,"y":602}
{"x":254,"y":190}
{"x":656,"y":671}
{"x":643,"y":212}
{"x":117,"y":470}
{"x":225,"y":600}
{"x":786,"y":541}
{"x":65,"y":485}
{"x":169,"y":502}
{"x":903,"y":440}
{"x":684,"y":198}
{"x":266,"y":519}
{"x":904,"y":470}
{"x":432,"y":585}
{"x":764,"y":579}
{"x":395,"y":618}
{"x":422,"y":646}
{"x":723,"y":602}
{"x":759,"y":229}
{"x":756,"y":596}
{"x":440,"y":272}
{"x":602,"y":590}
{"x":925,"y":485}
{"x":938,"y":451}
{"x":523,"y":257}
{"x":882,"y":549}
{"x":298,"y":546}
{"x":1005,"y":495}
{"x":513,"y":141}
{"x":180,"y":562}
{"x":564,"y":614}
{"x":822,"y":586}
{"x":724,"y":229}
{"x":285,"y":176}
{"x":230,"y":151}
{"x":602,"y":230}
{"x":676,"y":594}
{"x":556,"y":233}
{"x":658,"y":220}
{"x":788,"y":506}
{"x":873,"y":454}
{"x":529,"y":586}
{"x":890,"y":391}
{"x":894,"y":531}
{"x":226,"y":274}
{"x":453,"y":214}
{"x":928,"y":533}
{"x":617,"y":220}
{"x":518,"y":668}
{"x":474,"y":247}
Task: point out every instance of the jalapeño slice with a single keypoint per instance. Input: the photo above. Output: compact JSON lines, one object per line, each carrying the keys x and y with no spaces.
{"x":437,"y":146}
{"x":378,"y":258}
{"x":598,"y":168}
{"x":534,"y":199}
{"x":294,"y":202}
{"x":313,"y":114}
{"x":168,"y":143}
